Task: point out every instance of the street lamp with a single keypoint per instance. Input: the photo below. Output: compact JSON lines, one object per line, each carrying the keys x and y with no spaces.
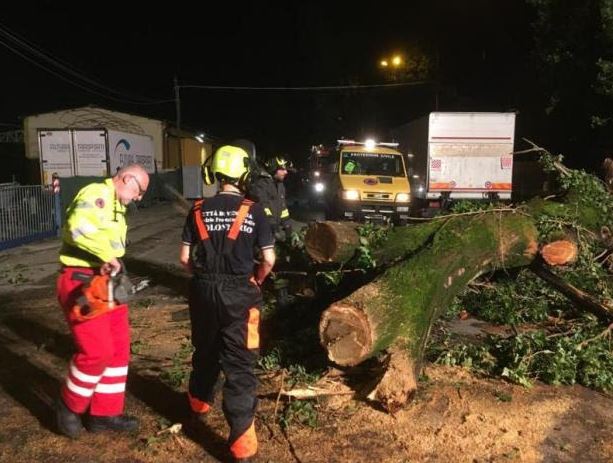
{"x":393,"y":66}
{"x":413,"y":64}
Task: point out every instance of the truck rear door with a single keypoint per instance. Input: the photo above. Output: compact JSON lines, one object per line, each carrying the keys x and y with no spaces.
{"x":470,"y":154}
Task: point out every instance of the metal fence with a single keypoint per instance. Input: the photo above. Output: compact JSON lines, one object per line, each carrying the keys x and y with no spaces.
{"x":26,"y":214}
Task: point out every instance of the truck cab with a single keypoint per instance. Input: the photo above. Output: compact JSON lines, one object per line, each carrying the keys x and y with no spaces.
{"x":367,"y":181}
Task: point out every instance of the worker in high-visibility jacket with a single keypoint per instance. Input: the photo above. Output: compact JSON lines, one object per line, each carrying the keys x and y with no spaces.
{"x":220,"y":238}
{"x":267,"y":188}
{"x":93,"y":240}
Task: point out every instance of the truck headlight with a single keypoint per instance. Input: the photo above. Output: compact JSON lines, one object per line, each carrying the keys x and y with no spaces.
{"x":403,"y":198}
{"x":351,"y":195}
{"x":319,"y":187}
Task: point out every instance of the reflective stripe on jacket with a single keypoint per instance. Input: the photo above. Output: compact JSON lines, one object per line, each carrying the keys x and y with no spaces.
{"x":95,"y":228}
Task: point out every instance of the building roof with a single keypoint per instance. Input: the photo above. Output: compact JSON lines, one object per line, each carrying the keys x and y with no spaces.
{"x":94,"y":107}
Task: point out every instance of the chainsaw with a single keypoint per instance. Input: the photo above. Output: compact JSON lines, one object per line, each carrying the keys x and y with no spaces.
{"x":100,"y":294}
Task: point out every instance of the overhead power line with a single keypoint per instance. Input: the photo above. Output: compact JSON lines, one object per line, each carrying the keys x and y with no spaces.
{"x":306,"y":88}
{"x":20,"y":47}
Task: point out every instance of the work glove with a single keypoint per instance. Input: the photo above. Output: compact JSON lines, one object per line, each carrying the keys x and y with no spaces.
{"x":123,"y":288}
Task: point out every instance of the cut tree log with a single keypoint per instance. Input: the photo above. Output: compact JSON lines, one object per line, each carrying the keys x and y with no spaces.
{"x":331,"y":241}
{"x":560,"y":252}
{"x":396,"y":310}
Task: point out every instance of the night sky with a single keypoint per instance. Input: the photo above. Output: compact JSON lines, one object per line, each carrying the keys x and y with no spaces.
{"x":480,"y":46}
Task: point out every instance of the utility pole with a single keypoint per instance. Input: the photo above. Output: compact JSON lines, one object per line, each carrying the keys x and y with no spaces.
{"x":177,"y":103}
{"x":179,"y":139}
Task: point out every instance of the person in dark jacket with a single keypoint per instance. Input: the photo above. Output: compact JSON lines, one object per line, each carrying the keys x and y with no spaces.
{"x":267,"y":188}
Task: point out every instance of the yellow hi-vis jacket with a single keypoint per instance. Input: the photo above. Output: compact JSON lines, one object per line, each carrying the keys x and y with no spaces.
{"x":95,"y":228}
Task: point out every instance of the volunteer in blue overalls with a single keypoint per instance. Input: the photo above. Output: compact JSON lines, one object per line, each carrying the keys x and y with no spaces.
{"x":220,"y":239}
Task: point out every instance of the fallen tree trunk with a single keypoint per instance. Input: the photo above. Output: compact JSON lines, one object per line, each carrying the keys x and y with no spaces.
{"x":338,"y":241}
{"x":397,"y":309}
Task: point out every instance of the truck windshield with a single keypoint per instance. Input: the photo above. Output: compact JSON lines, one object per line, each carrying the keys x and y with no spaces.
{"x":372,"y":164}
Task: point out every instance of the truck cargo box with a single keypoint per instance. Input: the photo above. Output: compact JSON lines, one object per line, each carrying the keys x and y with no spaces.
{"x":460,"y":155}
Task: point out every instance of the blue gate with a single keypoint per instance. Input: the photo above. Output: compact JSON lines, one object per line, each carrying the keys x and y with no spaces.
{"x":26,"y":214}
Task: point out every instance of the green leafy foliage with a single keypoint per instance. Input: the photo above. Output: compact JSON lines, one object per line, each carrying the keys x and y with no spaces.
{"x":584,"y":355}
{"x":371,"y":236}
{"x":299,"y":376}
{"x":513,"y":299}
{"x":330,"y":279}
{"x":464,"y":206}
{"x":177,"y":373}
{"x":299,"y":412}
{"x":296,"y":412}
{"x":271,"y":361}
{"x":572,"y":64}
{"x":137,"y":346}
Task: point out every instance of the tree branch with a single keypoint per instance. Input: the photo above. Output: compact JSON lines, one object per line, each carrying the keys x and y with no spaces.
{"x":580,"y":298}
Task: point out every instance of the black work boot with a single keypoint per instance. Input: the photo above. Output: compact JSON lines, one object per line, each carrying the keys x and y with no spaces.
{"x":68,"y":422}
{"x":122,"y":423}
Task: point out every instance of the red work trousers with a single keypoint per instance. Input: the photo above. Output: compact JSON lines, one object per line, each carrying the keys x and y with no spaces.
{"x":98,"y":370}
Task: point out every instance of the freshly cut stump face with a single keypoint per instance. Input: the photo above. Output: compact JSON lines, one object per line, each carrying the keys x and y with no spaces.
{"x":324,"y":247}
{"x":345,"y":333}
{"x":560,"y":252}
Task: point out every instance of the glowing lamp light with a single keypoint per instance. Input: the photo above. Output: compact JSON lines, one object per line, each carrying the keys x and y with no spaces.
{"x":351,"y":195}
{"x":369,"y":144}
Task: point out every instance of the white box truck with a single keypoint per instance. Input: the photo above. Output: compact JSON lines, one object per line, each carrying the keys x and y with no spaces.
{"x":91,"y":152}
{"x":459,"y":155}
